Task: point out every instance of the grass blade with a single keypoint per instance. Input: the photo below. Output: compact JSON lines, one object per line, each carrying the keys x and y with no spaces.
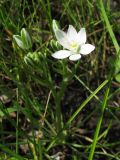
{"x":77,"y":112}
{"x":99,"y":122}
{"x":109,"y":28}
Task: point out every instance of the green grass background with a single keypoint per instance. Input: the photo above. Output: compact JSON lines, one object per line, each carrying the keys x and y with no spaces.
{"x":51,"y":108}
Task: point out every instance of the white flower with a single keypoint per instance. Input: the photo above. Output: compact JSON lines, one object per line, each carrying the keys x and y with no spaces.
{"x":73,"y":42}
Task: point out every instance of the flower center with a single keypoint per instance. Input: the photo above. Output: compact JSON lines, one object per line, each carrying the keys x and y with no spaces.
{"x":74,"y":46}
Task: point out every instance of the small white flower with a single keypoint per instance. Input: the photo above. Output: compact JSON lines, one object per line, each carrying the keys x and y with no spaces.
{"x":73,"y":42}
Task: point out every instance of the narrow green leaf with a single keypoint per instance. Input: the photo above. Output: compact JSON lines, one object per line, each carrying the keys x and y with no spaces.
{"x":117,"y":77}
{"x":55,"y":25}
{"x":7,"y":111}
{"x":7,"y":150}
{"x":77,"y":112}
{"x":95,"y":139}
{"x":26,"y":38}
{"x":105,"y":18}
{"x":19,"y":42}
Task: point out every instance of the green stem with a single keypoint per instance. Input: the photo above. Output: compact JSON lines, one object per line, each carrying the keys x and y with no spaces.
{"x":60,"y":94}
{"x":17,"y":124}
{"x":17,"y":133}
{"x":59,"y":118}
{"x":33,"y":151}
{"x":76,"y":113}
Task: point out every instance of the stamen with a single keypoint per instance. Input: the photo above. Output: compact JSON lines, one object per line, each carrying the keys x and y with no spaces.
{"x":74,"y":46}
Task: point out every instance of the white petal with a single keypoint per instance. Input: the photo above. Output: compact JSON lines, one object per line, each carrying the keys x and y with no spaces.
{"x":81,"y":36}
{"x":71,"y":33}
{"x":75,"y":57}
{"x":86,"y":49}
{"x":61,"y":54}
{"x":62,"y":38}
